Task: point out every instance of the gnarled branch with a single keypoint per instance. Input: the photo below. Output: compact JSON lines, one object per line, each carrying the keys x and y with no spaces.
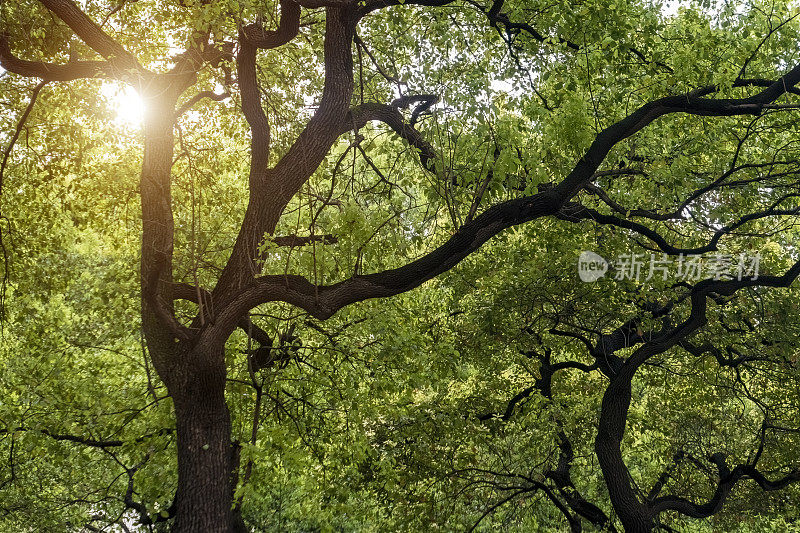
{"x":92,"y":34}
{"x":52,"y":71}
{"x":288,"y":27}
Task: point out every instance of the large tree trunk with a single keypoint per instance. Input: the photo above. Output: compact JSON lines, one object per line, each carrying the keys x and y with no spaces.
{"x":205,"y":466}
{"x":193,"y":372}
{"x":206,"y":459}
{"x":634,"y":515}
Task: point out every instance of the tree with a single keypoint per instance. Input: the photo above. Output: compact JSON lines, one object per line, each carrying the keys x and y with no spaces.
{"x":578,"y":131}
{"x":703,"y":416}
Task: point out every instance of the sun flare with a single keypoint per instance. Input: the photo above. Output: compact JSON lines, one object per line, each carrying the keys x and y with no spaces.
{"x":126,"y":103}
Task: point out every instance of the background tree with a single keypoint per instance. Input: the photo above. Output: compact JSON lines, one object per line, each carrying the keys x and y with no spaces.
{"x":335,"y":213}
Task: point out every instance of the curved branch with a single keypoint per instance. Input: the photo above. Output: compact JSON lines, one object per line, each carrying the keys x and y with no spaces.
{"x":677,"y":212}
{"x":52,"y":71}
{"x":251,"y":38}
{"x":691,"y":104}
{"x":271,"y":191}
{"x":391,"y":116}
{"x":211,"y":95}
{"x":728,"y":480}
{"x":374,"y":5}
{"x":634,"y":514}
{"x":543,"y":383}
{"x":313,"y":144}
{"x":497,"y":16}
{"x":574,"y":212}
{"x":18,"y":129}
{"x":202,"y":297}
{"x":562,"y":477}
{"x":91,"y":34}
{"x":288,"y":27}
{"x":253,"y":112}
{"x":323,"y":301}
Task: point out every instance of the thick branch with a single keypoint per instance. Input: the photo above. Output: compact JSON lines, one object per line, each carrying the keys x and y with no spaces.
{"x":51,"y":71}
{"x":728,"y":480}
{"x":202,"y":297}
{"x":391,"y":116}
{"x":289,"y":25}
{"x":562,"y":477}
{"x":315,"y":141}
{"x":635,"y":514}
{"x":252,"y":37}
{"x":91,"y":34}
{"x":374,"y":5}
{"x":253,"y":112}
{"x":324,"y":301}
{"x":271,"y":191}
{"x":646,"y":114}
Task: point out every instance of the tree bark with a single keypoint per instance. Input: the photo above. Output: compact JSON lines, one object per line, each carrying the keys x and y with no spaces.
{"x":635,"y":517}
{"x":194,"y":372}
{"x":205,"y":465}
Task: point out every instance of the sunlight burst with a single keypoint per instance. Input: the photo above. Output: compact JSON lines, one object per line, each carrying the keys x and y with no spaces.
{"x":126,"y":103}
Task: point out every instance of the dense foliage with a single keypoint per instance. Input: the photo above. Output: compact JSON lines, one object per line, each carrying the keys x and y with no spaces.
{"x":474,"y":382}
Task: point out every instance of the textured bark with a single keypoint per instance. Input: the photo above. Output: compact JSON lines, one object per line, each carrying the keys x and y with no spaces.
{"x":205,"y":465}
{"x":193,"y":373}
{"x":272,"y":189}
{"x":634,"y":515}
{"x":157,"y":231}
